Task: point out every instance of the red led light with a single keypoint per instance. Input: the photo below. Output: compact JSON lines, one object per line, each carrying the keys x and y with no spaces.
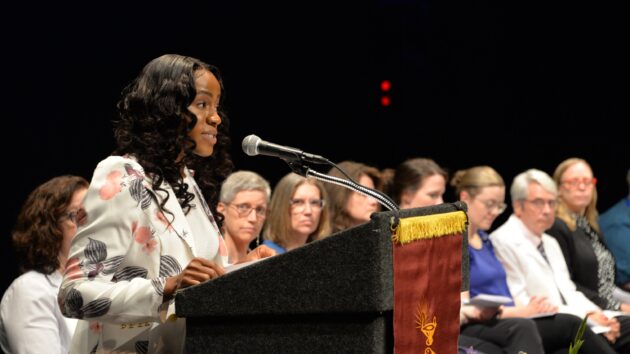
{"x":386,"y":85}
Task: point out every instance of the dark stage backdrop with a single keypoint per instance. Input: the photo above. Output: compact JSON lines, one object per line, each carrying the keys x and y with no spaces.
{"x":513,"y":86}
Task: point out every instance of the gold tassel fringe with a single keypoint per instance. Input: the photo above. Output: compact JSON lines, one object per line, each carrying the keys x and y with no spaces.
{"x":429,"y":226}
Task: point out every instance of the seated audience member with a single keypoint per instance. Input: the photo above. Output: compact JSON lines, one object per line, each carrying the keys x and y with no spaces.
{"x":590,"y":263}
{"x":533,"y":260}
{"x":416,"y":182}
{"x":30,"y":318}
{"x":483,"y":191}
{"x":296,"y":213}
{"x":243,"y":202}
{"x":347,"y":207}
{"x":615,"y":225}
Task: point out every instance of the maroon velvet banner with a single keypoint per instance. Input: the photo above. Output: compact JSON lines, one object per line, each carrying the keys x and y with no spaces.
{"x":427,"y":283}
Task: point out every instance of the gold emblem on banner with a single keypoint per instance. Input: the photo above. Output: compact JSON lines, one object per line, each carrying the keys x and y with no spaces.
{"x":427,"y":328}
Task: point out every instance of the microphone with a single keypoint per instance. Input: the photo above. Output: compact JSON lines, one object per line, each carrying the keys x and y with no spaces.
{"x":253,"y":145}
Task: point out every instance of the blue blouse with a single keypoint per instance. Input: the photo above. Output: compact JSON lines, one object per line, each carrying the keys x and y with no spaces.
{"x":487,"y":275}
{"x":274,"y":246}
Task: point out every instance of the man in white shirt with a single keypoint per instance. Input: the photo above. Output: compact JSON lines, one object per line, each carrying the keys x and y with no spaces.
{"x":533,"y":260}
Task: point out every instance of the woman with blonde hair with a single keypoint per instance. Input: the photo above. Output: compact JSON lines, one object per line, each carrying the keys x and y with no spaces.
{"x":297,"y":215}
{"x":576,"y":228}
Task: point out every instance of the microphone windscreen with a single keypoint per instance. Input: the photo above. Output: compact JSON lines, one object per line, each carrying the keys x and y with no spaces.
{"x":250,"y":145}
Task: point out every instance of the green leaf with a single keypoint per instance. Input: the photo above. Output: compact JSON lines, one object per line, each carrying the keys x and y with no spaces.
{"x":574,"y":347}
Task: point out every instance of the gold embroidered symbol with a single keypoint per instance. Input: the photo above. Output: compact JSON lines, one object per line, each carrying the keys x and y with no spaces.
{"x":428,"y":351}
{"x":427,"y":328}
{"x":134,"y":325}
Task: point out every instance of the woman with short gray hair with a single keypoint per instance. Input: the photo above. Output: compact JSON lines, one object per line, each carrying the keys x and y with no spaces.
{"x":241,"y":193}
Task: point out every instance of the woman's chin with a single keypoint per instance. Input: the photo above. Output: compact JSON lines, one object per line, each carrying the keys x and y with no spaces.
{"x":203,"y":153}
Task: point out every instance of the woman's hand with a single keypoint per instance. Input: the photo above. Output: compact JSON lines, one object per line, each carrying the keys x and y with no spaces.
{"x":259,"y":252}
{"x":615,"y":330}
{"x":599,"y":318}
{"x":197,"y":271}
{"x":538,"y":305}
{"x":479,"y":314}
{"x":602,"y":320}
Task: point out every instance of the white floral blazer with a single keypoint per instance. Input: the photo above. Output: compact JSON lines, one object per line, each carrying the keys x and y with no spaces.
{"x":121,"y":256}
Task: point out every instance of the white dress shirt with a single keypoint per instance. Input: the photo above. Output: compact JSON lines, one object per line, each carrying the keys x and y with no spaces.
{"x":30,"y":319}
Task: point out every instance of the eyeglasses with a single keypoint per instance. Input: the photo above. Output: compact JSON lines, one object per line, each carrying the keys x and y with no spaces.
{"x":299,"y":205}
{"x":72,"y":216}
{"x":575,"y":183}
{"x":492,"y":205}
{"x":539,"y":203}
{"x":245,"y":209}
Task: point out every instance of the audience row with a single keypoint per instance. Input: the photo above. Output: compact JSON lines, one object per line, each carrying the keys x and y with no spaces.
{"x":550,"y":258}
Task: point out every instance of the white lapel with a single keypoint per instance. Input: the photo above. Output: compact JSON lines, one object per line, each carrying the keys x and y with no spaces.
{"x":176,"y":222}
{"x":524,"y":243}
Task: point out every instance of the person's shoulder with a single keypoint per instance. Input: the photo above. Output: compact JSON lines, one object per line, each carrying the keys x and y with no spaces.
{"x":35,"y":279}
{"x":559,"y":227}
{"x":507,"y":235}
{"x":500,"y":232}
{"x":274,"y":246}
{"x":116,"y":161}
{"x":550,"y":241}
{"x":116,"y":167}
{"x":616,"y":212}
{"x":26,"y":287}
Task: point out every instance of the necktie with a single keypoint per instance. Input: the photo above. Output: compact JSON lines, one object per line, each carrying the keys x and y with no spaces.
{"x":541,"y":249}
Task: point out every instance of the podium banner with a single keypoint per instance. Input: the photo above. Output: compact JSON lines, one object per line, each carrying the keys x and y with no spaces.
{"x":427,"y":282}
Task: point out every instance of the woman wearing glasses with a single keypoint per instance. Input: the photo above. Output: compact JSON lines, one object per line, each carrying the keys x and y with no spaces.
{"x":30,"y":319}
{"x":297,"y":214}
{"x":243,"y":203}
{"x":590,"y":263}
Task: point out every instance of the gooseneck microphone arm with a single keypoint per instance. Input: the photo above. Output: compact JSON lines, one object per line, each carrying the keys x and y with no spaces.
{"x":303,"y":170}
{"x":368,"y":192}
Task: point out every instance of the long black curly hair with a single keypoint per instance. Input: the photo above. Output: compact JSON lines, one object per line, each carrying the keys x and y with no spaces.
{"x":154,"y":124}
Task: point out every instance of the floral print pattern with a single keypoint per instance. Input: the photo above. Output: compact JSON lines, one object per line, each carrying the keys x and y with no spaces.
{"x":122,"y":255}
{"x":144,"y":236}
{"x":112,"y":186}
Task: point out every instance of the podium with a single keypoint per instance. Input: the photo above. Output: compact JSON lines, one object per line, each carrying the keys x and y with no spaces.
{"x":330,"y":296}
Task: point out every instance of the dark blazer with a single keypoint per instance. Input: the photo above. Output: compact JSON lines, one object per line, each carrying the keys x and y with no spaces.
{"x":580,"y":258}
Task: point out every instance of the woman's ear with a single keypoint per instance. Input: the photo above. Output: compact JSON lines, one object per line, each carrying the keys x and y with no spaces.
{"x":221,"y":207}
{"x":465,"y":197}
{"x":405,"y":198}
